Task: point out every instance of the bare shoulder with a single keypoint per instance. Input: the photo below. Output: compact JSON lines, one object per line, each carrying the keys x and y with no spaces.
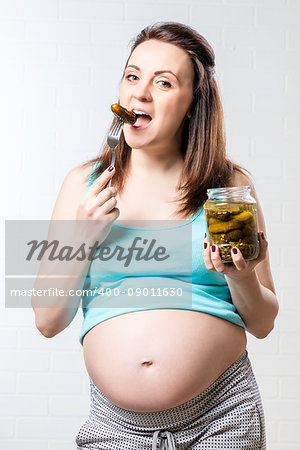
{"x":70,"y":193}
{"x":242,"y":179}
{"x":79,"y":173}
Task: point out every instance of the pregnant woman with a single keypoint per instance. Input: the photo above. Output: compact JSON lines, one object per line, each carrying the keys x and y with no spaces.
{"x":166,"y":372}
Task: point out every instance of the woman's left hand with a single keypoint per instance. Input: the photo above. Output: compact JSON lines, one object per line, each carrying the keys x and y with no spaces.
{"x":239,"y":268}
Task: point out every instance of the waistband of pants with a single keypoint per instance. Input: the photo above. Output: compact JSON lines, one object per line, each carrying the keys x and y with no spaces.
{"x":233,"y":381}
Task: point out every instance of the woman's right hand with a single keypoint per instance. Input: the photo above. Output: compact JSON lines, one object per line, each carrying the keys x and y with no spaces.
{"x":98,"y":204}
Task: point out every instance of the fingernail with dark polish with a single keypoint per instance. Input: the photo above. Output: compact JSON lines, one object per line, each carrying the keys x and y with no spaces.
{"x":205,"y":245}
{"x":213,"y":248}
{"x":235,"y":250}
{"x":110,"y":169}
{"x":262,"y":235}
{"x":205,"y":235}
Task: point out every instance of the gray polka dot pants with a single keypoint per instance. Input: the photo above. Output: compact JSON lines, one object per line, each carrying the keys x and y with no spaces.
{"x":226,"y":416}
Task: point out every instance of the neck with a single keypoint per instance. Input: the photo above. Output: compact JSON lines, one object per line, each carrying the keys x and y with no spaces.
{"x":145,"y":161}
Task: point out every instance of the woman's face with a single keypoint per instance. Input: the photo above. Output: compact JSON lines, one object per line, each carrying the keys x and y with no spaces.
{"x":158,"y":80}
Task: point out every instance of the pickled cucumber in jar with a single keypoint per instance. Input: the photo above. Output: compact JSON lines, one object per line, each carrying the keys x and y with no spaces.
{"x":232,"y":222}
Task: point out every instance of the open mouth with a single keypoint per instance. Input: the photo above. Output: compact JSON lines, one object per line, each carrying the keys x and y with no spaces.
{"x":143,"y":120}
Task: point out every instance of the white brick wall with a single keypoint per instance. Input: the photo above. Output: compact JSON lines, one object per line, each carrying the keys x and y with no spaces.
{"x":55,"y":95}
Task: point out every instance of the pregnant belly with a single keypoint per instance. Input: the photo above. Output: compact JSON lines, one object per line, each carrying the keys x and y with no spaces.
{"x":157,"y":359}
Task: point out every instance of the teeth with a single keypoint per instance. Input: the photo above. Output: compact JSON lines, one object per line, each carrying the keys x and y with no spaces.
{"x":140,"y":113}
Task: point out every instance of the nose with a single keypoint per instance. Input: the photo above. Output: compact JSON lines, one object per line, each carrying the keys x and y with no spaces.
{"x":142,"y":92}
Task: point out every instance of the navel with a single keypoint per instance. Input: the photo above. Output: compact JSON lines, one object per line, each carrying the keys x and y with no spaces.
{"x":147,"y":363}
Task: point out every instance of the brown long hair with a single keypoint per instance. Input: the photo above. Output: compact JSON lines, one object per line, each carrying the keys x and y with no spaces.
{"x":206,"y":164}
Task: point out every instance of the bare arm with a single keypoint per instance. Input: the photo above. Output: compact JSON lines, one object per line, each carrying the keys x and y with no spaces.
{"x":250,"y":282}
{"x":77,"y":210}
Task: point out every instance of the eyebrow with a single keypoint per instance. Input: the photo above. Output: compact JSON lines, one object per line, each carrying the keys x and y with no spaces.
{"x":158,"y":72}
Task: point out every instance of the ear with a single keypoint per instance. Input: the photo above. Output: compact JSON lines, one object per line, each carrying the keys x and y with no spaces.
{"x":189,"y":114}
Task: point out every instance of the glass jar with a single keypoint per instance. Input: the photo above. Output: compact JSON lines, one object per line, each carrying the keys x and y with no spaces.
{"x":231,"y":219}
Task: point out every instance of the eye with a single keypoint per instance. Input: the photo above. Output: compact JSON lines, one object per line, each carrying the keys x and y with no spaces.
{"x":166,"y":83}
{"x":128,"y":77}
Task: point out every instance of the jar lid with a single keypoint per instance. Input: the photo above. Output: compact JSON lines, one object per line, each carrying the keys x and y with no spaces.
{"x":229,"y":192}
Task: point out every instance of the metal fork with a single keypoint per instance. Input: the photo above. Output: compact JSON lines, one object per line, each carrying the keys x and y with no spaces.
{"x":113,"y":140}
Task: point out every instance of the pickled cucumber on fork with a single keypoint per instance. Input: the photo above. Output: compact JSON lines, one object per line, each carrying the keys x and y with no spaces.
{"x":123,"y":113}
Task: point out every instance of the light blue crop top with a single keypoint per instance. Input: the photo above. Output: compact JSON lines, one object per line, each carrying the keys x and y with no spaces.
{"x":171,"y":275}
